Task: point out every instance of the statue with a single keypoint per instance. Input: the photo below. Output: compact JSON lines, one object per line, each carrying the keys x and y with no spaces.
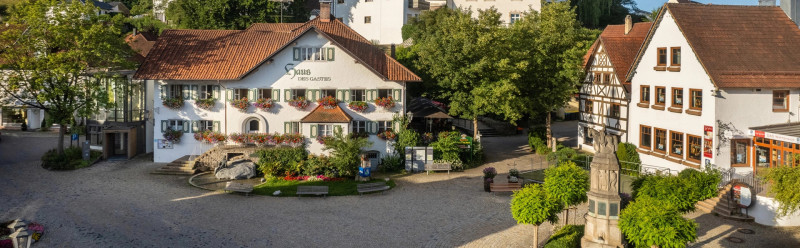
{"x":601,"y":230}
{"x":603,"y":142}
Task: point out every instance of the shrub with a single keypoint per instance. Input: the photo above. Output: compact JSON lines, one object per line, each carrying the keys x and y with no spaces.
{"x":489,"y":172}
{"x":671,"y":189}
{"x":44,"y":126}
{"x":446,"y":147}
{"x":784,"y":186}
{"x":535,"y":143}
{"x":568,"y":236}
{"x":566,"y":183}
{"x":563,"y":153}
{"x":277,"y":161}
{"x":628,"y":158}
{"x":532,"y":205}
{"x":477,"y":156}
{"x":582,"y":160}
{"x":319,"y":165}
{"x":391,"y":163}
{"x":703,"y":183}
{"x":650,"y":222}
{"x":70,"y":160}
{"x":406,"y":138}
{"x":345,"y":152}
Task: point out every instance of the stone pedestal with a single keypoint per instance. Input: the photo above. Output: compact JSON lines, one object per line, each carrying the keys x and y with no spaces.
{"x":601,"y":230}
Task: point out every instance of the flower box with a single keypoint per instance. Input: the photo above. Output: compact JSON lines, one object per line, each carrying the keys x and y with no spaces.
{"x":328,"y":102}
{"x":385,"y":102}
{"x":263,"y":104}
{"x":387,"y":135}
{"x":206,"y":104}
{"x":323,"y":139}
{"x":299,"y":103}
{"x":293,"y":139}
{"x":241,"y":104}
{"x":173,"y":136}
{"x":173,"y":102}
{"x":358,"y":106}
{"x":210,"y":137}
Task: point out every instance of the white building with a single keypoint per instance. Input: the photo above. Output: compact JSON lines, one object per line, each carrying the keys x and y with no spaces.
{"x":510,"y":10}
{"x":603,"y":96}
{"x":321,"y":57}
{"x":705,"y":75}
{"x":159,"y":8}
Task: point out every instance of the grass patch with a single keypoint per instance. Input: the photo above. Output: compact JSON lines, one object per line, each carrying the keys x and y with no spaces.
{"x":289,"y":188}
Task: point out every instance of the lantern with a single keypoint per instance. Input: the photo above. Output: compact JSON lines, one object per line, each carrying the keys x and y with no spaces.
{"x":21,"y":238}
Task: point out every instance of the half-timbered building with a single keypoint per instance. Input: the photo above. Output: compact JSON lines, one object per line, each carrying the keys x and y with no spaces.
{"x":604,"y":92}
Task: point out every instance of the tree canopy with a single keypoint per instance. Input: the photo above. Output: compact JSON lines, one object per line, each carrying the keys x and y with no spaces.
{"x":232,"y":14}
{"x":567,"y":183}
{"x":785,"y":188}
{"x":533,"y":206}
{"x":600,"y":13}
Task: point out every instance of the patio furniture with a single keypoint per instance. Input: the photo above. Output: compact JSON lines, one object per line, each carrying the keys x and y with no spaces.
{"x":312,"y":190}
{"x":239,"y":187}
{"x":438,"y":167}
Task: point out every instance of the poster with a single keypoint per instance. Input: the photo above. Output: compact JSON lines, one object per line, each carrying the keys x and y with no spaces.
{"x":164,"y":144}
{"x":708,"y":141}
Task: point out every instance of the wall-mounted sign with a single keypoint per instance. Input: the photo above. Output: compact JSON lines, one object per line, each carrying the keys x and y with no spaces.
{"x":774,"y":136}
{"x":164,"y":144}
{"x":708,"y":141}
{"x":742,"y":195}
{"x":303,"y":74}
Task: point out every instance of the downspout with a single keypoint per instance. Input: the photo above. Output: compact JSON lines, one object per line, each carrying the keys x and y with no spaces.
{"x":628,"y":116}
{"x":225,"y":121}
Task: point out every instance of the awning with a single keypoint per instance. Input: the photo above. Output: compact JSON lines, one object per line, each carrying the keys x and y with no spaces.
{"x":787,"y":132}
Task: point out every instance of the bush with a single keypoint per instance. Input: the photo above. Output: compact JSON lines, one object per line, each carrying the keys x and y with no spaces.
{"x":628,"y":158}
{"x":391,"y":163}
{"x":277,"y":161}
{"x":477,"y":156}
{"x":406,"y":138}
{"x":446,"y":147}
{"x":784,"y":187}
{"x":319,"y":165}
{"x":703,"y":184}
{"x":345,"y":152}
{"x":582,"y":160}
{"x":70,"y":160}
{"x":44,"y":127}
{"x":673,"y":190}
{"x":650,"y":222}
{"x":568,"y":236}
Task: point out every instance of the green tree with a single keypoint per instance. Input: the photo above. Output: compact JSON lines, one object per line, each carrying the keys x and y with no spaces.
{"x":533,"y":206}
{"x":600,"y":13}
{"x":346,"y":151}
{"x":232,"y":14}
{"x":651,"y":17}
{"x":668,"y":188}
{"x":405,"y":137}
{"x":54,"y":54}
{"x":649,"y":222}
{"x":785,"y":186}
{"x":568,"y":184}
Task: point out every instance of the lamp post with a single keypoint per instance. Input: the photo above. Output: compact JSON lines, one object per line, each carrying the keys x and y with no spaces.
{"x":21,"y":238}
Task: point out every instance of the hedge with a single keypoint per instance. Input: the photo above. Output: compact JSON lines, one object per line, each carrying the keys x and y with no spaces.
{"x":568,"y":236}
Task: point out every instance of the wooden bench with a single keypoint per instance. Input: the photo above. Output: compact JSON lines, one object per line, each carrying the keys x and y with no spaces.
{"x":239,"y":187}
{"x":438,"y":167}
{"x":312,"y":190}
{"x":504,"y":187}
{"x":372,"y":187}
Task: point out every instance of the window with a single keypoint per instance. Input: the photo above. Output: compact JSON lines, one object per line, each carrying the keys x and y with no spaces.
{"x":739,"y":152}
{"x":661,"y":96}
{"x":586,"y":139}
{"x":644,"y":94}
{"x":204,"y":125}
{"x":324,"y":130}
{"x":596,"y":78}
{"x":292,"y":127}
{"x":514,"y":18}
{"x":206,"y":92}
{"x":780,"y":100}
{"x":675,"y":58}
{"x":339,"y":1}
{"x":239,"y":94}
{"x":176,"y":125}
{"x":695,"y":148}
{"x":368,"y":1}
{"x":676,"y":144}
{"x":175,"y":91}
{"x":368,"y":19}
{"x":661,"y":140}
{"x":589,"y":106}
{"x":677,"y":97}
{"x":359,"y":127}
{"x":696,"y":101}
{"x":384,"y":126}
{"x":614,"y":110}
{"x":384,"y":93}
{"x":662,"y":56}
{"x":591,"y":206}
{"x":645,"y":137}
{"x":358,"y":95}
{"x":313,"y":54}
{"x":606,"y":78}
{"x":297,"y":93}
{"x":264,"y":94}
{"x":327,"y":92}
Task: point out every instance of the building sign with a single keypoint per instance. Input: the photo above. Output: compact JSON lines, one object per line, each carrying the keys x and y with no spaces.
{"x":708,"y":141}
{"x":303,"y":74}
{"x":742,"y":195}
{"x":164,"y":144}
{"x":774,"y":136}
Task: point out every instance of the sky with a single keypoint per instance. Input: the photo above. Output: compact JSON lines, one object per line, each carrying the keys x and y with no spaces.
{"x":648,"y":5}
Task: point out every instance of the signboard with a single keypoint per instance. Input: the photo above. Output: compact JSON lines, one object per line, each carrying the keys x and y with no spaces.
{"x":164,"y":144}
{"x":74,"y":136}
{"x":774,"y":136}
{"x":303,"y":74}
{"x":708,"y":141}
{"x":418,"y":157}
{"x":742,"y":195}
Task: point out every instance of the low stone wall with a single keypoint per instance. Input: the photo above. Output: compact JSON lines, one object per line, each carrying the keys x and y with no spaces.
{"x":209,"y":160}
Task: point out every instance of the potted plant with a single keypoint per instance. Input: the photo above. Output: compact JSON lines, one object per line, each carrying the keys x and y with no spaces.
{"x":488,"y":178}
{"x":513,"y":176}
{"x":173,"y":102}
{"x":387,"y":135}
{"x":241,"y":104}
{"x":173,"y":136}
{"x":358,"y":106}
{"x":299,"y":103}
{"x":385,"y":102}
{"x":328,"y":102}
{"x":206,"y":104}
{"x":263,"y":104}
{"x":240,"y":138}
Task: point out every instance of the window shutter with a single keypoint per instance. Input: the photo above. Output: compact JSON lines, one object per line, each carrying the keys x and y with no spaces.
{"x":216,"y":126}
{"x":228,"y":94}
{"x":216,"y":92}
{"x":287,"y":127}
{"x":187,"y":126}
{"x":397,"y":95}
{"x":194,"y":94}
{"x":251,"y":95}
{"x":276,"y":95}
{"x":164,"y":126}
{"x":195,"y":126}
{"x":287,"y":95}
{"x":330,"y":53}
{"x":314,"y":129}
{"x":164,"y":94}
{"x":185,"y":92}
{"x":340,"y":95}
{"x":296,"y":52}
{"x":347,"y":96}
{"x":373,"y":127}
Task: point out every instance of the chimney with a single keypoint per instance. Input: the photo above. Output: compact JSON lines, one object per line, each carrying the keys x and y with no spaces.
{"x":628,"y":24}
{"x":792,"y":9}
{"x":766,"y":2}
{"x":392,"y":51}
{"x":325,"y":10}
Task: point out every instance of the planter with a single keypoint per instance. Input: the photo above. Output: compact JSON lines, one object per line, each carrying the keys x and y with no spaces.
{"x":358,"y":106}
{"x":263,"y":104}
{"x":487,"y":184}
{"x":173,"y":102}
{"x":241,"y":104}
{"x":385,"y":102}
{"x":210,"y":137}
{"x":513,"y":179}
{"x":328,"y":102}
{"x":387,"y":135}
{"x":173,"y":136}
{"x":206,"y":104}
{"x":299,"y":103}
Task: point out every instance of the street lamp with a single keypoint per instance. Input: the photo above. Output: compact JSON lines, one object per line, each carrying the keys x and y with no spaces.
{"x":21,"y":238}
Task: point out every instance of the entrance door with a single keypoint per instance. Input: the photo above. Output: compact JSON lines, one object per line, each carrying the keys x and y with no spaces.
{"x":374,"y":160}
{"x":252,"y":126}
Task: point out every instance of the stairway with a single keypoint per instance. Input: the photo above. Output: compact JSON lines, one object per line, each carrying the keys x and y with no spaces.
{"x":723,"y":206}
{"x":183,"y":166}
{"x":487,"y":132}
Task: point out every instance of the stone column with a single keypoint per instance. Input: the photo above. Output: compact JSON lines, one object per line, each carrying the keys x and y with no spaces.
{"x":601,"y":230}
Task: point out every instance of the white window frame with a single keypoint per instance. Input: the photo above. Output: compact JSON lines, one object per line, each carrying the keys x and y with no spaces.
{"x":324,"y":130}
{"x":384,"y":125}
{"x":354,"y":96}
{"x":206,"y":91}
{"x":359,"y":127}
{"x":237,"y":94}
{"x":387,"y":92}
{"x":514,"y":17}
{"x":295,"y":127}
{"x":263,"y":93}
{"x":204,"y":125}
{"x":323,"y":91}
{"x":295,"y":95}
{"x":176,"y":125}
{"x":175,"y":91}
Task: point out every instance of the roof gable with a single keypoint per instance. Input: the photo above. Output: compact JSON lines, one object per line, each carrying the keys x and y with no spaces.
{"x":321,"y":114}
{"x":622,"y":48}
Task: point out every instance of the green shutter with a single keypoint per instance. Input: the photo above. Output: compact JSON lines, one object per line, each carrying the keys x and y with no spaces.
{"x":228,"y":94}
{"x":216,"y":92}
{"x":164,"y":94}
{"x":372,"y":126}
{"x":330,"y":53}
{"x":313,"y":133}
{"x":187,"y":126}
{"x":193,"y":92}
{"x":287,"y":127}
{"x":340,"y":95}
{"x":397,"y":95}
{"x":296,"y":52}
{"x":251,"y":95}
{"x":164,"y":126}
{"x":287,"y":95}
{"x":216,"y":126}
{"x":347,"y":96}
{"x":195,"y":125}
{"x":185,"y":92}
{"x":276,"y":95}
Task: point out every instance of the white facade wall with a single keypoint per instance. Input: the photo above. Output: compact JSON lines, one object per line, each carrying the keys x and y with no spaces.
{"x":344,"y":71}
{"x":387,"y":18}
{"x":505,"y":7}
{"x":691,"y":76}
{"x":764,"y":211}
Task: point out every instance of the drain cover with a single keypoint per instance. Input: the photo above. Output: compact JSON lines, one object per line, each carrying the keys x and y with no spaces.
{"x":746,"y":231}
{"x":735,"y":240}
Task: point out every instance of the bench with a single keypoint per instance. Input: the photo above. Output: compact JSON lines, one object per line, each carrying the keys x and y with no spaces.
{"x":371,"y":187}
{"x":239,"y":187}
{"x":312,"y":190}
{"x":504,"y":187}
{"x":438,"y":167}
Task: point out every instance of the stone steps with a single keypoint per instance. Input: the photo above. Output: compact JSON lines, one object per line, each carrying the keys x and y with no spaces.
{"x":181,"y":166}
{"x":722,"y":206}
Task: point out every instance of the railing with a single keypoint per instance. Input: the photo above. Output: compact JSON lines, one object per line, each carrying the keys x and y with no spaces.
{"x":626,"y":168}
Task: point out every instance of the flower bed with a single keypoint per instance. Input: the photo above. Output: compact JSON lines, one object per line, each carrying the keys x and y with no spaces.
{"x":293,"y":139}
{"x":387,"y":135}
{"x":328,"y":102}
{"x":173,"y":102}
{"x":206,"y":104}
{"x":299,"y":103}
{"x":263,"y":104}
{"x":210,"y":137}
{"x":385,"y":102}
{"x":358,"y":106}
{"x":173,"y":136}
{"x":241,"y":104}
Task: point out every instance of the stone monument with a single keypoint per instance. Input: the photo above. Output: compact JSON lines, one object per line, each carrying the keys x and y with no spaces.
{"x":601,"y":230}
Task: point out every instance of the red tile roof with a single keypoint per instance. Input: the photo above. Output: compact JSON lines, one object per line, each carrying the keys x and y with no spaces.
{"x":232,"y":54}
{"x":141,"y":43}
{"x":622,"y":48}
{"x":324,"y":115}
